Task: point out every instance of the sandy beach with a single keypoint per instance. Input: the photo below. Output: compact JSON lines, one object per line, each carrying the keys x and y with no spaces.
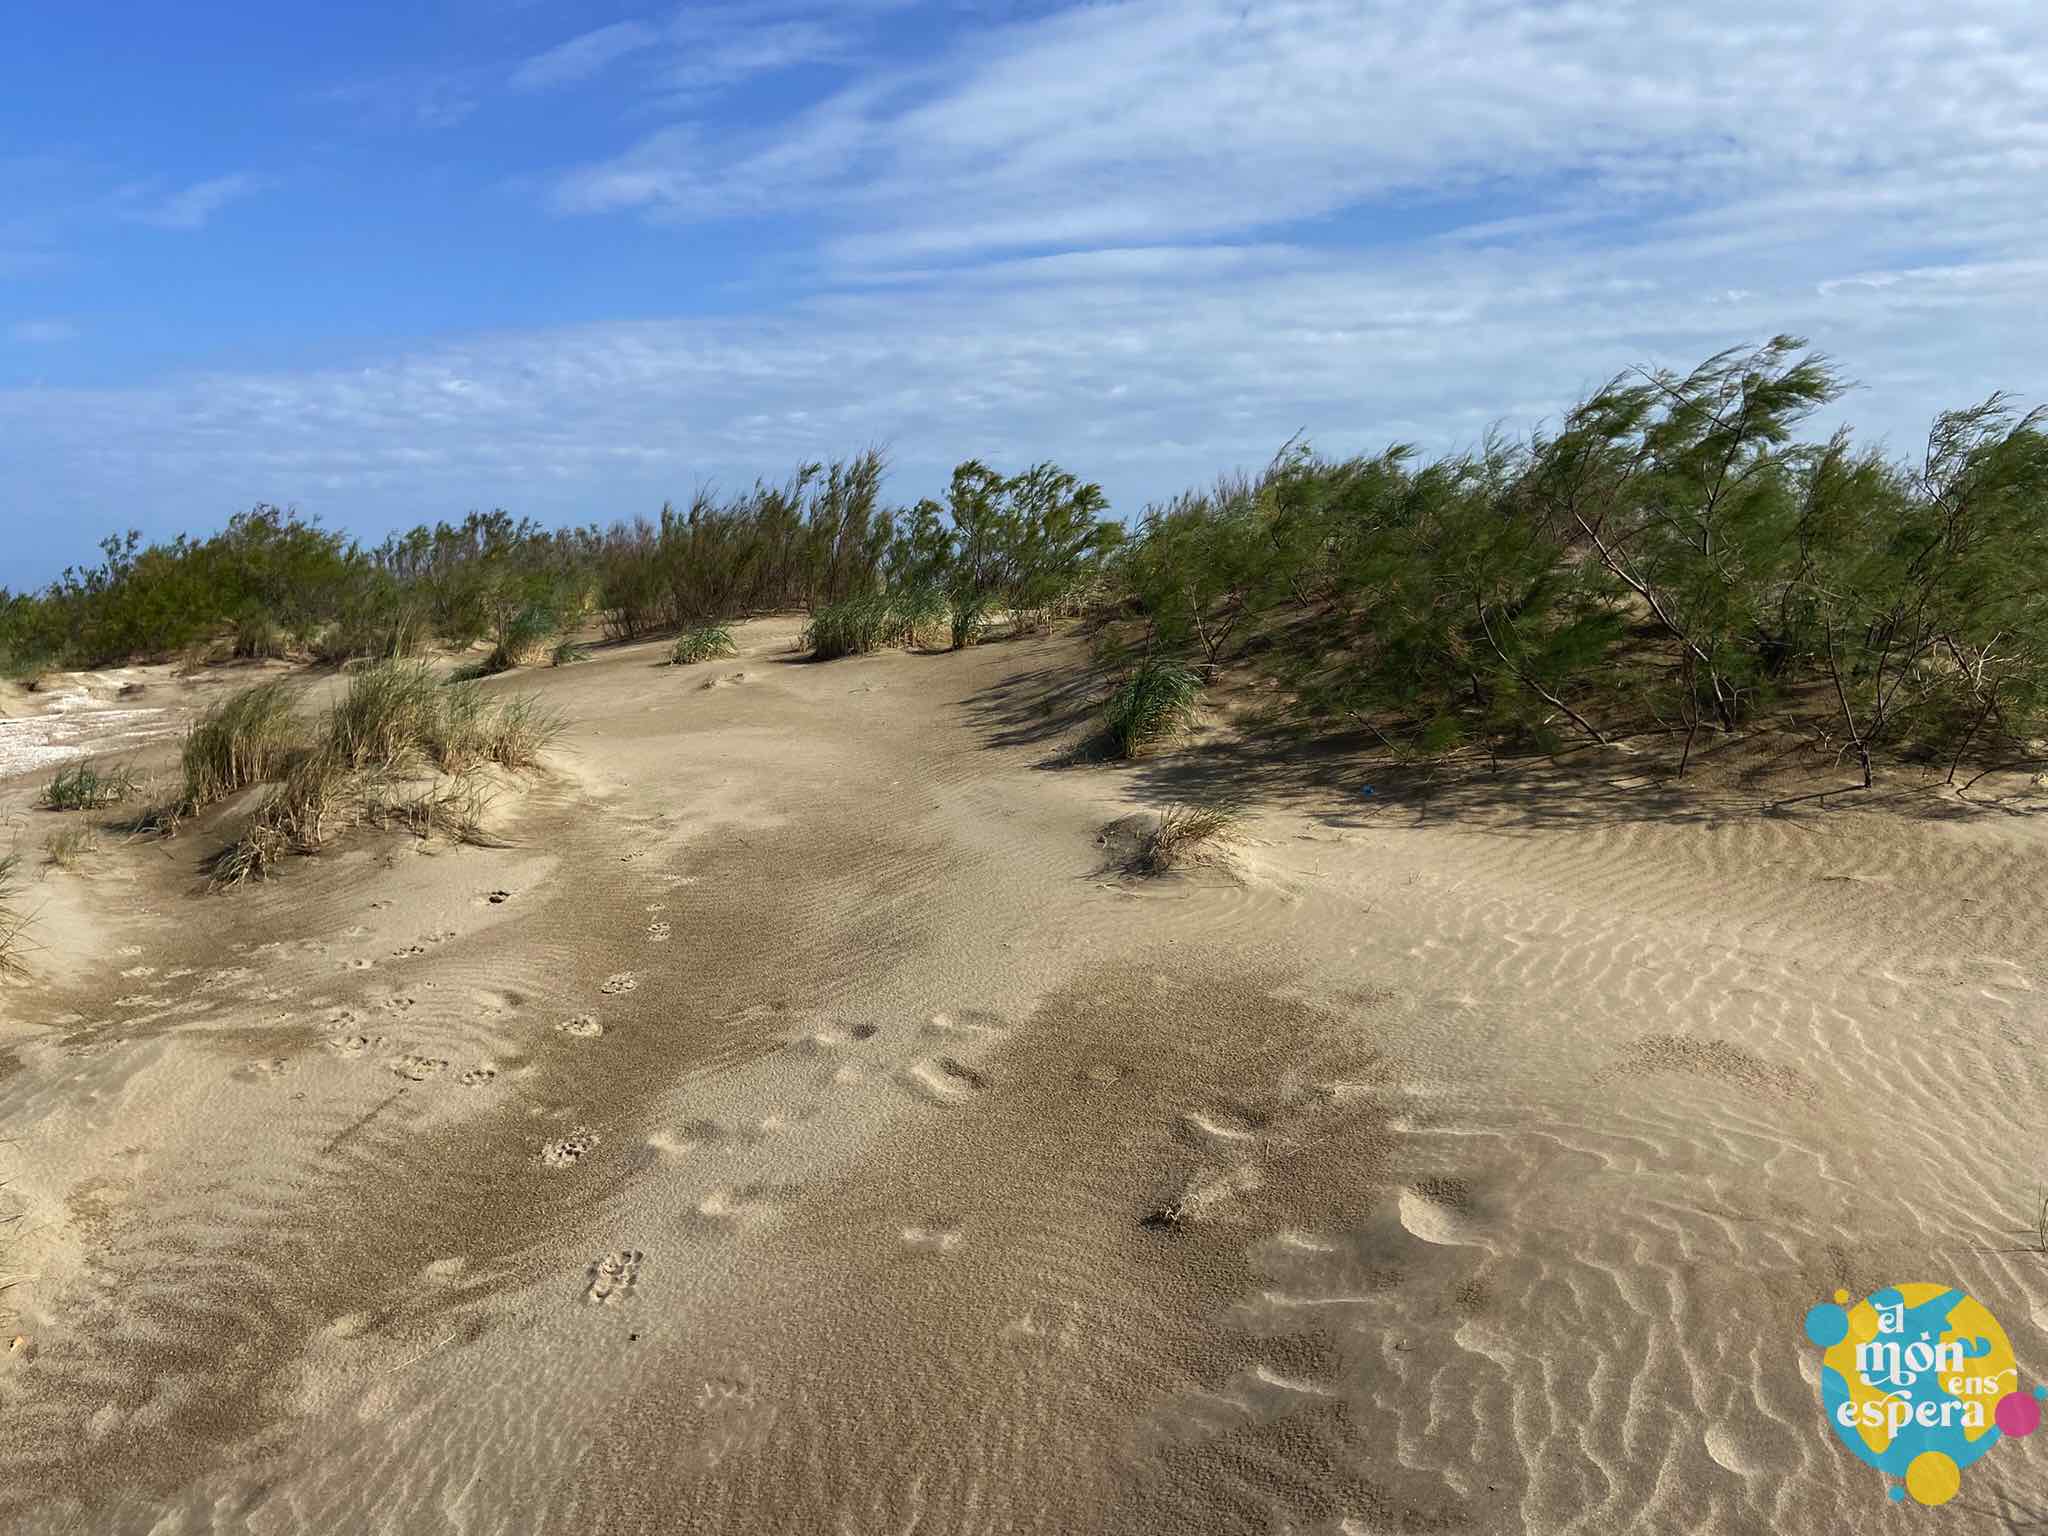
{"x":803,"y":1125}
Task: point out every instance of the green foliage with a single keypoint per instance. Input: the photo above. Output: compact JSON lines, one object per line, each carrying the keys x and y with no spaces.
{"x":567,"y":653}
{"x":1672,"y":558}
{"x":706,"y":642}
{"x":69,"y":847}
{"x":1154,"y":703}
{"x":1026,"y":542}
{"x":13,"y":921}
{"x":396,"y":719}
{"x":246,"y":738}
{"x":88,"y":787}
{"x":873,"y":622}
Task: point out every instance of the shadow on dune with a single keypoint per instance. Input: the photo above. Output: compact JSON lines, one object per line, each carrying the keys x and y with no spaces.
{"x":1349,"y":779}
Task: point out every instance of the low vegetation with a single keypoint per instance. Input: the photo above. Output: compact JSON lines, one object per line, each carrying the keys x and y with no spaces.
{"x":1154,"y":704}
{"x":399,"y":748}
{"x":1676,"y":557}
{"x":702,"y":642}
{"x":1671,"y":559}
{"x":875,"y":621}
{"x":13,"y":921}
{"x":89,"y":787}
{"x":245,"y":739}
{"x":69,"y":847}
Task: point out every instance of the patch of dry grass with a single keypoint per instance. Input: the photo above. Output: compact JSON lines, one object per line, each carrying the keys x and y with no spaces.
{"x":1181,"y":835}
{"x":69,"y":848}
{"x":13,"y":921}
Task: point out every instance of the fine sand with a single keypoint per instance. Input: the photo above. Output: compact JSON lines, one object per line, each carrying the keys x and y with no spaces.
{"x":801,"y":1126}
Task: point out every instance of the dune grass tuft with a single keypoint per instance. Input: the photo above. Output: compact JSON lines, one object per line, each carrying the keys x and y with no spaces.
{"x":567,"y":653}
{"x":875,"y":621}
{"x":707,"y":642}
{"x":1183,"y":832}
{"x":69,"y":847}
{"x":13,"y":921}
{"x":1154,"y":704}
{"x":397,"y":725}
{"x":245,"y":739}
{"x":88,"y":787}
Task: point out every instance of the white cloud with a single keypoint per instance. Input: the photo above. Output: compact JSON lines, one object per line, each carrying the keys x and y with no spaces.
{"x":1149,"y":370}
{"x":1152,"y":239}
{"x":1157,"y":120}
{"x":583,"y":56}
{"x":189,"y":207}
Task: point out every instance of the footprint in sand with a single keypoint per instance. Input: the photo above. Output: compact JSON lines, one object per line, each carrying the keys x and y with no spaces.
{"x":477,"y":1076}
{"x":419,"y":1068}
{"x":498,"y":898}
{"x":584,"y":1026}
{"x":619,"y":982}
{"x":611,"y":1279}
{"x":944,"y":1080}
{"x":966,"y":1024}
{"x":741,"y":1204}
{"x":569,"y":1151}
{"x":348,"y":1045}
{"x":1440,"y":1211}
{"x":658,"y":931}
{"x":408,"y":952}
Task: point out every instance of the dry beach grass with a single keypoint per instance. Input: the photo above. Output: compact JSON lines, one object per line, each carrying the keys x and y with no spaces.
{"x":787,"y":1125}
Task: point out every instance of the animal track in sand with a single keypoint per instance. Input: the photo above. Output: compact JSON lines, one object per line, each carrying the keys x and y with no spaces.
{"x":611,"y":1279}
{"x":408,"y":952}
{"x":584,"y":1026}
{"x":349,"y":1045}
{"x":944,"y":1080}
{"x":658,"y":931}
{"x":1218,"y":1127}
{"x":569,"y":1151}
{"x":967,"y":1024}
{"x":419,"y":1068}
{"x":477,"y":1076}
{"x":741,"y":1203}
{"x":498,"y":898}
{"x":619,"y":982}
{"x":1439,"y":1211}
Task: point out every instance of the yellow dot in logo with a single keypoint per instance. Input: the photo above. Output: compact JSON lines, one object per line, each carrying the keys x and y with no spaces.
{"x":1842,"y":1297}
{"x":1933,"y":1478}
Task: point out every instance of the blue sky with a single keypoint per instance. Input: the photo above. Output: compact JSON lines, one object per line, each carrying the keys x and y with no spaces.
{"x":573,"y":259}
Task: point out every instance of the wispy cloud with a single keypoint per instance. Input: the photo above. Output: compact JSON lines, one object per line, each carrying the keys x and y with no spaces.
{"x":583,"y":56}
{"x":188,"y":207}
{"x":1156,"y":120}
{"x":38,"y":333}
{"x":429,"y":100}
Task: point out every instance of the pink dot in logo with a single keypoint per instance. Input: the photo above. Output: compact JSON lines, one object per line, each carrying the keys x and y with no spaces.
{"x":2018,"y":1413}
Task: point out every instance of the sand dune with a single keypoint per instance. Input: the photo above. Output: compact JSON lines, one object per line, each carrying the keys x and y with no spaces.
{"x":797,"y":1130}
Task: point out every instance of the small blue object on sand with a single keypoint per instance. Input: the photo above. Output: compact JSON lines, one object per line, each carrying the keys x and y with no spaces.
{"x":1367,"y":791}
